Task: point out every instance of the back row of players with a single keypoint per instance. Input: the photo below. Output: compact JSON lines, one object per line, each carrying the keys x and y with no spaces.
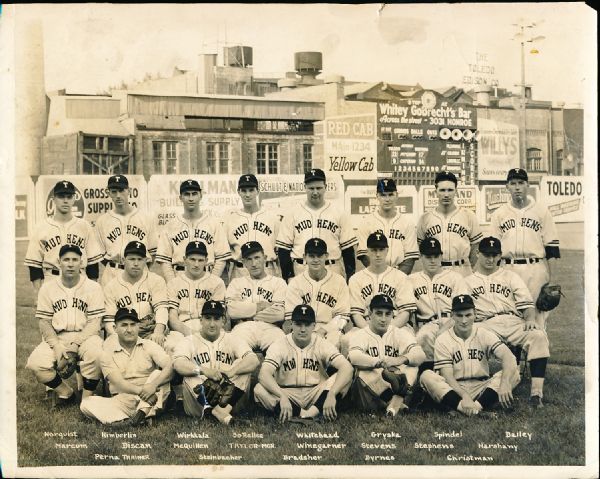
{"x":311,"y":243}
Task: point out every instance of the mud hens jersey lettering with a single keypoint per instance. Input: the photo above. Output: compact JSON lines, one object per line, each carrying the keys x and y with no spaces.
{"x":187,"y":296}
{"x":434,"y":295}
{"x":329,"y":223}
{"x":469,"y":358}
{"x":179,"y":232}
{"x":455,"y":232}
{"x":524,"y":232}
{"x":115,"y":231}
{"x":70,"y":309}
{"x":394,"y":343}
{"x":262,"y":226}
{"x":244,"y":293}
{"x":392,"y":282}
{"x":301,"y":367}
{"x":329,"y":297}
{"x":219,"y":354}
{"x":400,"y":232}
{"x":147,"y":296}
{"x":502,"y":292}
{"x":51,"y":235}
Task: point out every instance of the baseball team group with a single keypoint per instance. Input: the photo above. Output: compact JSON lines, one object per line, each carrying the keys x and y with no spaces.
{"x":298,"y":311}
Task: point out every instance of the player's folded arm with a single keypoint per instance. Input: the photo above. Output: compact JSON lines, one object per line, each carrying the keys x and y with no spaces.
{"x":48,"y":332}
{"x":360,"y":359}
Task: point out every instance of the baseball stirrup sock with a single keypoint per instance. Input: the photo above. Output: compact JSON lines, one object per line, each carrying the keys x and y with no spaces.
{"x":451,"y":400}
{"x":424,"y":366}
{"x":236,"y":396}
{"x":537,"y":367}
{"x":57,"y":381}
{"x":386,"y":396}
{"x":488,"y":398}
{"x":90,"y":384}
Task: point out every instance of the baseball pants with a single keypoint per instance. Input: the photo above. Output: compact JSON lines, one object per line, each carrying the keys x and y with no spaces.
{"x":191,"y":406}
{"x":437,"y":387}
{"x":369,"y":385}
{"x":510,"y":329}
{"x":122,"y":406}
{"x":534,"y":275}
{"x":258,"y":334}
{"x":42,"y":361}
{"x":303,"y":397}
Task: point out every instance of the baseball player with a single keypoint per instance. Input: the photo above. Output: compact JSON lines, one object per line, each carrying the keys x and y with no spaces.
{"x":386,"y":360}
{"x":251,"y":223}
{"x":462,"y":379}
{"x":504,"y":305}
{"x":316,"y":218}
{"x":255,"y":303}
{"x":213,"y":353}
{"x":456,"y":229}
{"x":380,"y":278}
{"x":433,"y":289}
{"x":69,"y":310}
{"x":293,"y":381}
{"x":192,"y":225}
{"x":528,"y":234}
{"x":123,"y":224}
{"x":325,"y":291}
{"x":138,"y":371}
{"x":137,"y":288}
{"x":52,"y":233}
{"x":398,"y":228}
{"x":187,"y":293}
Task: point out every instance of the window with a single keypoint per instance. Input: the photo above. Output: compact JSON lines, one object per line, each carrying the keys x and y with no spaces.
{"x":534,"y":159}
{"x":267,"y":158}
{"x":217,"y":158}
{"x":307,"y":155}
{"x":164,"y":157}
{"x":106,"y":155}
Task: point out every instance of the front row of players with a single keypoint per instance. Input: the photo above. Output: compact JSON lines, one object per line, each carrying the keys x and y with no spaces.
{"x":384,"y":355}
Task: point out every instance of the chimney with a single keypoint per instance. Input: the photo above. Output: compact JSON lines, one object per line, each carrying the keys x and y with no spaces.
{"x":206,"y":72}
{"x":482,"y":93}
{"x":308,"y":65}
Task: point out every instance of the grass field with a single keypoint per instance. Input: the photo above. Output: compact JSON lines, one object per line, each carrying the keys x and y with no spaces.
{"x":551,"y":436}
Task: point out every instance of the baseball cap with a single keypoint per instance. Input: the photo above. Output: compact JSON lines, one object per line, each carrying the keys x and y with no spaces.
{"x":381,"y":301}
{"x":462,"y":301}
{"x":377,"y":240}
{"x":69,"y":248}
{"x":126,"y":313}
{"x":430,"y":247}
{"x":248,"y":180}
{"x":314,"y":175}
{"x":196,"y":247}
{"x":303,"y":313}
{"x":386,"y":185}
{"x":315,"y":246}
{"x":213,"y":308}
{"x":251,"y":247}
{"x":490,"y":245}
{"x":517,"y":174}
{"x":119,"y":182}
{"x":446,"y":176}
{"x":135,"y":247}
{"x":189,"y":185}
{"x":64,"y":187}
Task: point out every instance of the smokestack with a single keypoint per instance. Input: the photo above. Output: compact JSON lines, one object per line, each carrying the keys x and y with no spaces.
{"x":206,"y":72}
{"x":482,"y":93}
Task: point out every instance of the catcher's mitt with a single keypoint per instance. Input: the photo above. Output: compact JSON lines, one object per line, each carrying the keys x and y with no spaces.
{"x":66,"y":366}
{"x":398,"y":382}
{"x":549,"y":297}
{"x":147,"y":325}
{"x":216,"y":393}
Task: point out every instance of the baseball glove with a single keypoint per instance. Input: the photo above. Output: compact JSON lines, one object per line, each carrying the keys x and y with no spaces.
{"x":147,"y":325}
{"x":66,"y":366}
{"x":549,"y":297}
{"x":217,"y":393}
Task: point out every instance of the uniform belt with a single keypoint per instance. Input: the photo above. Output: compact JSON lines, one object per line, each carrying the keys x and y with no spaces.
{"x":434,"y":317}
{"x":522,"y":260}
{"x":113,"y":264}
{"x":239,"y":264}
{"x":458,"y":262}
{"x":478,"y":378}
{"x":55,"y":272}
{"x":178,"y":267}
{"x":301,"y":261}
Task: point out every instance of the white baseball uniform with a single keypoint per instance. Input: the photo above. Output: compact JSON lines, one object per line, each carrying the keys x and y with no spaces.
{"x":75,"y":315}
{"x":456,"y":233}
{"x":259,"y":329}
{"x":179,"y":232}
{"x":400,"y":232}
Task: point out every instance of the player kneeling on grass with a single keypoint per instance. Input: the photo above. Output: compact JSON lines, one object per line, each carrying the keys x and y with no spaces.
{"x":255,"y":303}
{"x":215,"y":365}
{"x":505,"y":306}
{"x":69,"y":310}
{"x":293,"y":381}
{"x":386,"y":359}
{"x":462,"y":379}
{"x":138,"y":371}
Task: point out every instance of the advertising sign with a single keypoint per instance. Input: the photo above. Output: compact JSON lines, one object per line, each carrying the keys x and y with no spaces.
{"x":493,"y":197}
{"x":563,"y":195}
{"x":498,"y":149}
{"x":466,"y":197}
{"x":351,"y":146}
{"x":24,"y":207}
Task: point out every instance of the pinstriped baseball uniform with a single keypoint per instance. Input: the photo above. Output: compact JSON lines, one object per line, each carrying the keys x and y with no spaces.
{"x":400,"y":232}
{"x":262,"y":226}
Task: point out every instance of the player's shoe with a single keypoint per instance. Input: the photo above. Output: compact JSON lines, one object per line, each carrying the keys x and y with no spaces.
{"x":59,"y":403}
{"x":395,"y":407}
{"x":535,"y":402}
{"x":138,"y":418}
{"x":488,"y":414}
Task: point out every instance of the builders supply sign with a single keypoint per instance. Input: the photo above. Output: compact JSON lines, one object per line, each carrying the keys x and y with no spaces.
{"x":563,"y":195}
{"x":498,"y":148}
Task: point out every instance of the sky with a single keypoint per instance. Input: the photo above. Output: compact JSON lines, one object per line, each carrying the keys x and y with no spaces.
{"x":90,"y":47}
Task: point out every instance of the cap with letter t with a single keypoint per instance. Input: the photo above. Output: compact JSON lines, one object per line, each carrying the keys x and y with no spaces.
{"x":490,"y":245}
{"x":126,"y":313}
{"x":69,"y":248}
{"x":118,"y":182}
{"x":377,"y":240}
{"x":517,"y":174}
{"x":135,"y":247}
{"x":381,"y":301}
{"x":386,"y":185}
{"x":303,"y":313}
{"x":64,"y":188}
{"x":461,"y":302}
{"x":247,"y":181}
{"x":189,"y":185}
{"x":315,"y":246}
{"x":213,"y":308}
{"x":251,"y":247}
{"x":445,"y":176}
{"x":430,"y":247}
{"x":196,"y":247}
{"x":314,"y":175}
